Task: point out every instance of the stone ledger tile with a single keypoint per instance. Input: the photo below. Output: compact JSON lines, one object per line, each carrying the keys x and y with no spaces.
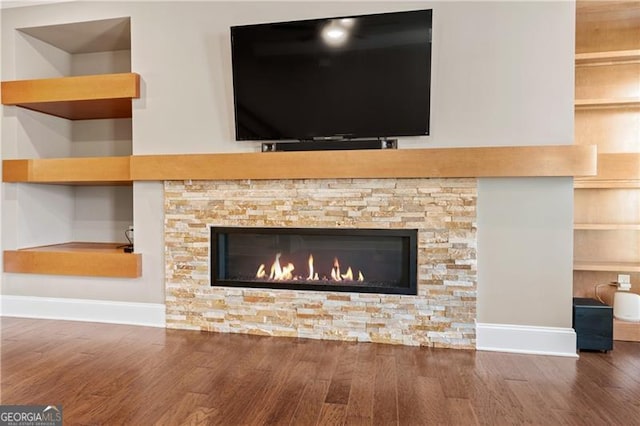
{"x":442,"y":210}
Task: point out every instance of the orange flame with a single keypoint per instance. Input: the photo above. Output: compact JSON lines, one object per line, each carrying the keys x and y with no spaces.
{"x":276,"y":269}
{"x":310,"y":277}
{"x":279,"y":272}
{"x":349,"y":275}
{"x":335,"y":271}
{"x":286,"y":272}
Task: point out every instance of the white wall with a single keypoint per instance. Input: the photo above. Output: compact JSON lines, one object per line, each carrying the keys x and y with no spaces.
{"x":525,"y":235}
{"x":502,"y":75}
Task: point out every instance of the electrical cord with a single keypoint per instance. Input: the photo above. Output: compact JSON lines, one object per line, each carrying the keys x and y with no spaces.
{"x":128,"y":248}
{"x":597,"y":287}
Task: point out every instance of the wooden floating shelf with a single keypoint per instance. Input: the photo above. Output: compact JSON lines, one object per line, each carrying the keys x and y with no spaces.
{"x":76,"y":258}
{"x":606,"y":103}
{"x":611,"y":9}
{"x":76,"y":98}
{"x":606,"y":184}
{"x":76,"y":171}
{"x":626,"y":330}
{"x":550,"y":160}
{"x":606,"y":226}
{"x":608,"y":58}
{"x":606,"y":266}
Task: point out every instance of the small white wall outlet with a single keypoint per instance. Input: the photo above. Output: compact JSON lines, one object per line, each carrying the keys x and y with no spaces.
{"x":624,"y":282}
{"x":623,"y":278}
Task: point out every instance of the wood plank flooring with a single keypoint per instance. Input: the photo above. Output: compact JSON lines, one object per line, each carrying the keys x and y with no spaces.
{"x":115,"y":374}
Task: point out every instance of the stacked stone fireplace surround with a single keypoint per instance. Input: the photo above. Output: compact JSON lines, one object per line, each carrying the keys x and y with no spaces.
{"x":443,"y":211}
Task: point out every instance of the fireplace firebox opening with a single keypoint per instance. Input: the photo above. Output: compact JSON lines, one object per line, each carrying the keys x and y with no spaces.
{"x":324,"y":259}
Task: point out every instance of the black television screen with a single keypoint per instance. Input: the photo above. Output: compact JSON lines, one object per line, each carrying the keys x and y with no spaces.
{"x":348,"y":77}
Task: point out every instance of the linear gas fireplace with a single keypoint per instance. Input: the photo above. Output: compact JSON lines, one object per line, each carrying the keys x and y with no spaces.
{"x":349,"y":260}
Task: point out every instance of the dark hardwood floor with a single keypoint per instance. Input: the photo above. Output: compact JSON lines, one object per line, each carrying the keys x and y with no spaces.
{"x":115,"y":374}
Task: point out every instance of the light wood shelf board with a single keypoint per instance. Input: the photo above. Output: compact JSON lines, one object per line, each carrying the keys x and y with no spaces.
{"x":584,"y":183}
{"x":80,"y":171}
{"x":605,"y":103}
{"x":606,"y":266}
{"x":84,"y":110}
{"x":75,"y":258}
{"x":626,"y":330}
{"x":608,"y":58}
{"x":76,"y":98}
{"x":567,"y":160}
{"x":555,"y":160}
{"x":606,"y":226}
{"x":611,"y":7}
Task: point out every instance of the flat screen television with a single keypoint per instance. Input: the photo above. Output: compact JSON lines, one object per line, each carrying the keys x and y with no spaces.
{"x":346,"y":78}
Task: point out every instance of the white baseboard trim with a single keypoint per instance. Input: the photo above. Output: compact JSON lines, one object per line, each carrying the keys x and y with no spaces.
{"x":146,"y":314}
{"x":525,"y":339}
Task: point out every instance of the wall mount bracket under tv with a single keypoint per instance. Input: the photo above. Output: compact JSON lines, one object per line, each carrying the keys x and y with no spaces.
{"x":351,"y":82}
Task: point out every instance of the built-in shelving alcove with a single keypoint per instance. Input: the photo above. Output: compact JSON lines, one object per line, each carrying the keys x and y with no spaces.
{"x":70,"y":101}
{"x":607,"y":114}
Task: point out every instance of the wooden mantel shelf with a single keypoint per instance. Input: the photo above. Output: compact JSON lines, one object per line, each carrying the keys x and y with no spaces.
{"x":82,"y":259}
{"x":76,"y":98}
{"x":552,"y":160}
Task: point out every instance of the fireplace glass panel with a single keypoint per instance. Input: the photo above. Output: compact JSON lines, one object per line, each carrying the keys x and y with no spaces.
{"x":357,"y":260}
